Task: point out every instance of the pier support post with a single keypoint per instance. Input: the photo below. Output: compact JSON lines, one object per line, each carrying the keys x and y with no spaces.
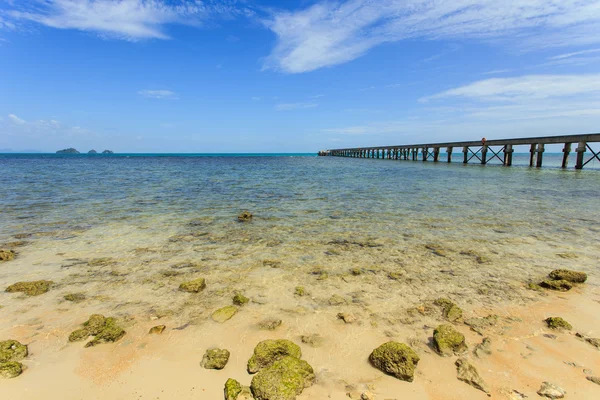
{"x":531,"y":154}
{"x":425,"y":153}
{"x":449,"y":151}
{"x":465,"y":154}
{"x":484,"y":150}
{"x":540,"y":155}
{"x":566,"y":151}
{"x":580,"y":154}
{"x":508,"y":154}
{"x":436,"y":154}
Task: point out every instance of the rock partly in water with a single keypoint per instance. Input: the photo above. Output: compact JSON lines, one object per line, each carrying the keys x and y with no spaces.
{"x":348,"y":318}
{"x":468,"y":373}
{"x":480,"y":324}
{"x":448,"y":341}
{"x":7,"y":255}
{"x":269,"y":324}
{"x":269,"y":351}
{"x":240,"y":300}
{"x":313,"y":340}
{"x":396,"y":359}
{"x":551,"y":391}
{"x":11,"y":369}
{"x":75,"y":297}
{"x":33,"y":288}
{"x":337,"y":300}
{"x":568,"y":275}
{"x":450,"y":311}
{"x":559,"y":285}
{"x":224,"y":314}
{"x":79,"y":335}
{"x":215,"y":359}
{"x":558,"y":323}
{"x":12,"y":350}
{"x":245,"y":216}
{"x":104,"y":330}
{"x":283,"y":380}
{"x":157,"y":330}
{"x":484,"y":348}
{"x":194,"y":286}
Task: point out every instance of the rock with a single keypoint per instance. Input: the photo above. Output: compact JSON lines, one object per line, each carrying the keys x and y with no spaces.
{"x":479,"y":324}
{"x":484,"y":348}
{"x":448,"y":341}
{"x":337,"y":300}
{"x":283,"y":380}
{"x":450,"y":311}
{"x":272,"y":263}
{"x":593,"y":341}
{"x":235,"y":391}
{"x":594,"y":379}
{"x":7,"y":255}
{"x":108,"y":152}
{"x":557,"y":323}
{"x":396,"y":359}
{"x":70,"y":150}
{"x":240,"y":300}
{"x":33,"y":288}
{"x":269,"y":351}
{"x":245,"y":216}
{"x":269,"y":324}
{"x":468,"y":373}
{"x":568,"y":275}
{"x":110,"y":333}
{"x":215,"y":359}
{"x":347,"y":317}
{"x":157,"y":330}
{"x":356,"y":271}
{"x":92,"y":152}
{"x":194,"y":286}
{"x":560,"y":285}
{"x":535,"y":287}
{"x":314,"y":340}
{"x":10,"y":369}
{"x":300,"y":291}
{"x":367,"y":396}
{"x":551,"y":391}
{"x":79,"y":335}
{"x":224,"y":314}
{"x":75,"y":297}
{"x":95,"y":324}
{"x":12,"y":350}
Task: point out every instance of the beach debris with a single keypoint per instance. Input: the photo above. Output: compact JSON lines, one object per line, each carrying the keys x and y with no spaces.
{"x":468,"y":373}
{"x":593,"y":341}
{"x":559,"y":285}
{"x":551,"y":391}
{"x":450,"y":311}
{"x":104,"y":330}
{"x":448,"y":341}
{"x":300,"y":291}
{"x":157,"y":330}
{"x":194,"y":286}
{"x":224,"y":314}
{"x":348,"y":318}
{"x":269,"y":324}
{"x":240,"y":300}
{"x":12,"y":350}
{"x":215,"y":359}
{"x":245,"y":216}
{"x":75,"y":297}
{"x":268,"y":351}
{"x":484,"y":348}
{"x":568,"y":275}
{"x":236,"y":391}
{"x":313,"y":340}
{"x":10,"y":369}
{"x":557,"y":323}
{"x":7,"y":255}
{"x":32,"y":288}
{"x":594,"y":379}
{"x":337,"y":300}
{"x":396,"y":359}
{"x":283,"y":380}
{"x":480,"y":324}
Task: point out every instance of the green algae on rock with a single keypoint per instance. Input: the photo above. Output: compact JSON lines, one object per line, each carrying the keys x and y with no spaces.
{"x":75,"y":297}
{"x":300,"y":291}
{"x":12,"y":350}
{"x":194,"y":286}
{"x":224,"y":314}
{"x":79,"y":335}
{"x":558,"y":323}
{"x":559,"y":285}
{"x":240,"y":300}
{"x":104,"y":330}
{"x":268,"y":351}
{"x":10,"y":369}
{"x":448,"y":341}
{"x":568,"y":275}
{"x":245,"y":216}
{"x":337,"y":300}
{"x":157,"y":330}
{"x":7,"y":255}
{"x":215,"y":359}
{"x":396,"y":359}
{"x":480,"y":324}
{"x":450,"y":311}
{"x":283,"y":380}
{"x":269,"y":324}
{"x":32,"y":288}
{"x":95,"y":323}
{"x":109,"y":334}
{"x":468,"y":373}
{"x":232,"y":389}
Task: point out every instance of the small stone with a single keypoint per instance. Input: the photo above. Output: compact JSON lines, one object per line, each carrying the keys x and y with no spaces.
{"x":468,"y":373}
{"x":215,"y":359}
{"x":283,"y":380}
{"x":557,"y":323}
{"x":272,"y":263}
{"x":356,"y":271}
{"x":367,"y":396}
{"x":568,"y":275}
{"x":12,"y":350}
{"x":240,"y":300}
{"x":337,"y":300}
{"x":450,"y":311}
{"x":594,"y":379}
{"x":314,"y":340}
{"x":448,"y":341}
{"x":347,"y":317}
{"x":194,"y":286}
{"x":157,"y":330}
{"x":7,"y":255}
{"x":269,"y":324}
{"x":396,"y":359}
{"x":33,"y":288}
{"x":232,"y":389}
{"x":300,"y":291}
{"x":11,"y":369}
{"x":593,"y":341}
{"x":395,"y":276}
{"x":269,"y":351}
{"x":560,"y":285}
{"x":551,"y":391}
{"x":75,"y":297}
{"x":224,"y":314}
{"x":484,"y":348}
{"x":245,"y":216}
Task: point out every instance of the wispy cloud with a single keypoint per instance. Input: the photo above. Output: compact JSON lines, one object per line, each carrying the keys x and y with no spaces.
{"x":334,"y":32}
{"x":294,"y":106}
{"x":158,"y":94}
{"x":573,"y":54}
{"x":16,"y":120}
{"x":497,"y":71}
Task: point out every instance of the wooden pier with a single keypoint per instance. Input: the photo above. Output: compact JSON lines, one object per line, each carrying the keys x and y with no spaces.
{"x":481,"y":151}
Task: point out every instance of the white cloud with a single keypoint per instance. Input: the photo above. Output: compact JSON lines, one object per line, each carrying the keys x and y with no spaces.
{"x":573,"y":54}
{"x":335,"y":32}
{"x":294,"y":106}
{"x":16,"y":119}
{"x":158,"y":94}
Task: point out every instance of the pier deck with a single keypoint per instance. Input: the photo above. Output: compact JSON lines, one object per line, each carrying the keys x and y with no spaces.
{"x":482,"y":151}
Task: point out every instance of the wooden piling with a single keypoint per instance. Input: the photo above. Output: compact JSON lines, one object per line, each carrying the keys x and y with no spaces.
{"x":449,"y":151}
{"x":508,"y":154}
{"x":580,"y":155}
{"x":566,"y":151}
{"x":540,"y":155}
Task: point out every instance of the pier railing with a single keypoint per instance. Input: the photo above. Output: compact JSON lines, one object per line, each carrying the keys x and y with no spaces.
{"x":482,"y":151}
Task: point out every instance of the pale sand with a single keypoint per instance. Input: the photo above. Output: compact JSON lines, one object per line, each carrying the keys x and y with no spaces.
{"x":142,"y":366}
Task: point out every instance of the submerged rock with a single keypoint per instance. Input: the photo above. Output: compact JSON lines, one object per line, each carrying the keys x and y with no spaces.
{"x":551,"y":391}
{"x":245,"y":216}
{"x":283,"y":380}
{"x":269,"y":324}
{"x":560,"y":285}
{"x":314,"y":340}
{"x":215,"y":359}
{"x":79,"y":335}
{"x":33,"y":288}
{"x":12,"y":350}
{"x":468,"y":373}
{"x":568,"y":275}
{"x":7,"y":255}
{"x":75,"y":297}
{"x":11,"y":369}
{"x":557,"y":323}
{"x":269,"y":351}
{"x":300,"y":291}
{"x":484,"y":348}
{"x":157,"y":330}
{"x":224,"y":314}
{"x":396,"y":359}
{"x":240,"y":300}
{"x":450,"y":311}
{"x":104,"y":330}
{"x":448,"y":341}
{"x":348,"y":318}
{"x":337,"y":300}
{"x":479,"y":324}
{"x":194,"y":286}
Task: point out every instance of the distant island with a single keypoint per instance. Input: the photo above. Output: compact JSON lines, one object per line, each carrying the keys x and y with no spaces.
{"x":75,"y":151}
{"x":92,"y":152}
{"x":108,"y":152}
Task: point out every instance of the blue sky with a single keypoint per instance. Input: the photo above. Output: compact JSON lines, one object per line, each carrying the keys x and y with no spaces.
{"x":293,"y":76}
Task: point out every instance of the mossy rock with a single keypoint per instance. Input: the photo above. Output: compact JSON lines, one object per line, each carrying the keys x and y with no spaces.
{"x":95,"y":324}
{"x":245,"y":216}
{"x":568,"y":275}
{"x":396,"y":359}
{"x":7,"y":255}
{"x":467,"y":373}
{"x":157,"y":330}
{"x":104,"y":330}
{"x":559,"y":285}
{"x":337,"y":300}
{"x":215,"y":359}
{"x":10,"y":369}
{"x":33,"y":288}
{"x":283,"y":380}
{"x":396,"y":276}
{"x":448,"y":341}
{"x":232,"y":389}
{"x":269,"y":351}
{"x":109,"y":334}
{"x":535,"y":287}
{"x":79,"y":335}
{"x":75,"y":297}
{"x":240,"y":300}
{"x":224,"y":314}
{"x":300,"y":291}
{"x":450,"y":311}
{"x":12,"y":350}
{"x":480,"y":324}
{"x":558,"y":323}
{"x":269,"y":324}
{"x":356,"y":271}
{"x":195,"y":286}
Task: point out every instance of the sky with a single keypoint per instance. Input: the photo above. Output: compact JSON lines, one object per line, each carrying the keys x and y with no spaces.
{"x":293,"y":76}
